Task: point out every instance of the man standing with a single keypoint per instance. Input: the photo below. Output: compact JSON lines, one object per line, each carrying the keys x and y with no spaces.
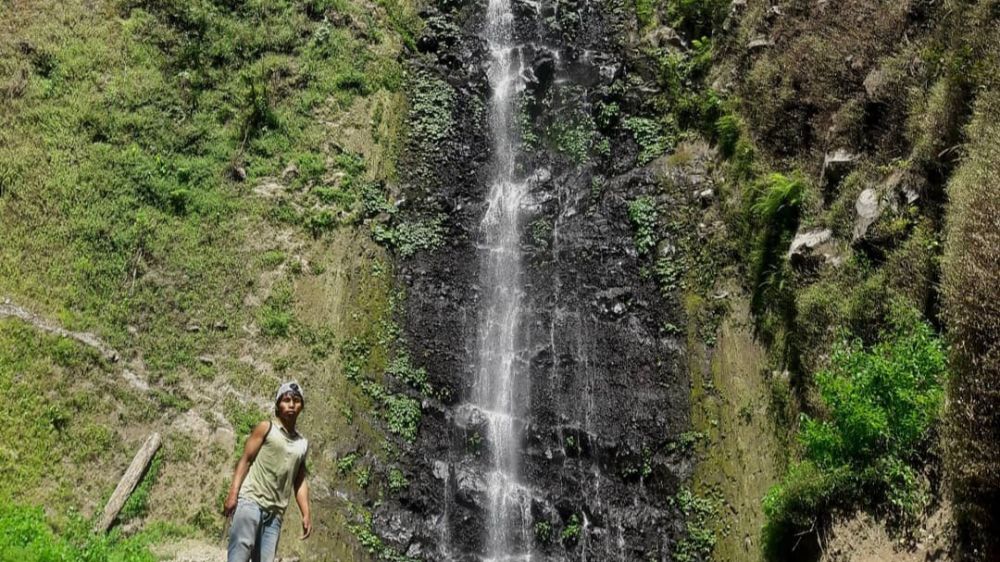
{"x":272,"y":469}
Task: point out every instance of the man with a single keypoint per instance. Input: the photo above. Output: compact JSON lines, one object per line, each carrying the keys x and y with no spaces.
{"x":272,"y":468}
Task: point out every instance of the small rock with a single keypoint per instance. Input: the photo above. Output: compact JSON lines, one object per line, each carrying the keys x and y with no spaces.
{"x":220,"y":325}
{"x":706,"y":196}
{"x":206,"y":360}
{"x":759,"y":43}
{"x":132,"y":330}
{"x":239,"y":173}
{"x":290,"y":172}
{"x":193,"y":328}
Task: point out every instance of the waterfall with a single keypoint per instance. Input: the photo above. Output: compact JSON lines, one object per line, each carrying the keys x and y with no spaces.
{"x":508,"y":531}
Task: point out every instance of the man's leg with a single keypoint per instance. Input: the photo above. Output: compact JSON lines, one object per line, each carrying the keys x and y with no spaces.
{"x":270,"y":531}
{"x":243,"y":531}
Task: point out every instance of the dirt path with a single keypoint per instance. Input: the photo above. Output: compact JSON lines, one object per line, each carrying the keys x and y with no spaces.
{"x":133,"y":374}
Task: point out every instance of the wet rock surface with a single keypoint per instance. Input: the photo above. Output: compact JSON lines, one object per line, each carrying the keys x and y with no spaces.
{"x":603,"y":388}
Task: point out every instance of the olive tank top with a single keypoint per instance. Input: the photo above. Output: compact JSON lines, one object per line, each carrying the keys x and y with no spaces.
{"x":271,"y":479}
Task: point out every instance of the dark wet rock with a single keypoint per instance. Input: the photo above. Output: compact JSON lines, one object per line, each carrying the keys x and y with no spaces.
{"x":602,"y":390}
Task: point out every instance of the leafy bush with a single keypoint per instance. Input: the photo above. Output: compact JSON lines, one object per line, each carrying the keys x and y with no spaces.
{"x":543,"y":531}
{"x":403,"y":416}
{"x":574,"y":137}
{"x":650,"y":137}
{"x":882,"y":403}
{"x":403,"y":369}
{"x":571,"y":532}
{"x":408,"y":238}
{"x":643,"y":215}
{"x":397,"y":481}
{"x":25,"y":536}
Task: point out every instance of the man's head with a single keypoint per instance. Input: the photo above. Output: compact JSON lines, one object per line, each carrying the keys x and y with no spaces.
{"x":288,"y":396}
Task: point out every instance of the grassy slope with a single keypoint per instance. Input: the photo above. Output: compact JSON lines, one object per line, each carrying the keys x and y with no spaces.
{"x":970,"y":286}
{"x":125,"y":130}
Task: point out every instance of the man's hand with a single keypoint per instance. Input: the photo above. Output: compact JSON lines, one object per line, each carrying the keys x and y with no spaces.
{"x":307,"y":527}
{"x":229,"y":505}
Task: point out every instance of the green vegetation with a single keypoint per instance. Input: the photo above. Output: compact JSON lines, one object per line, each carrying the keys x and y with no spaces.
{"x":408,"y":238}
{"x":775,"y":211}
{"x":397,"y":481}
{"x":643,"y":215}
{"x":649,"y":136}
{"x":372,"y":543}
{"x":543,"y":531}
{"x":571,"y":531}
{"x":882,"y":405}
{"x":431,"y":106}
{"x":26,"y":536}
{"x":697,"y":18}
{"x":699,"y":517}
{"x":345,"y":463}
{"x":573,"y":137}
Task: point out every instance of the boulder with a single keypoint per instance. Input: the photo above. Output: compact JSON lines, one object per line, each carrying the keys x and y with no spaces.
{"x":869,"y":207}
{"x":812,"y":248}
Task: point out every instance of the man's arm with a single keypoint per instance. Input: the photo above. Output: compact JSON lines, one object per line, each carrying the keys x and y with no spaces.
{"x":250,"y":451}
{"x":302,"y":498}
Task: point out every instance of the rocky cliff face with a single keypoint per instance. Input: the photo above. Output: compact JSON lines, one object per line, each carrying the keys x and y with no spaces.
{"x":603,"y":389}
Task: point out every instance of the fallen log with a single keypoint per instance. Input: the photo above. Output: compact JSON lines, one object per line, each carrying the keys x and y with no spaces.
{"x":129,"y":481}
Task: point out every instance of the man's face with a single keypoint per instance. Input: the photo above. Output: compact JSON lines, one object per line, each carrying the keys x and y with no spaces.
{"x":289,"y":406}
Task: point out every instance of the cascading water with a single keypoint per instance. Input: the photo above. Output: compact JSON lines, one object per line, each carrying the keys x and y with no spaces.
{"x":540,"y":312}
{"x":497,"y":378}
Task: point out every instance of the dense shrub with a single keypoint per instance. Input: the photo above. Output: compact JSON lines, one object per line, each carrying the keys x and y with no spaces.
{"x":25,"y":536}
{"x":881,"y":406}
